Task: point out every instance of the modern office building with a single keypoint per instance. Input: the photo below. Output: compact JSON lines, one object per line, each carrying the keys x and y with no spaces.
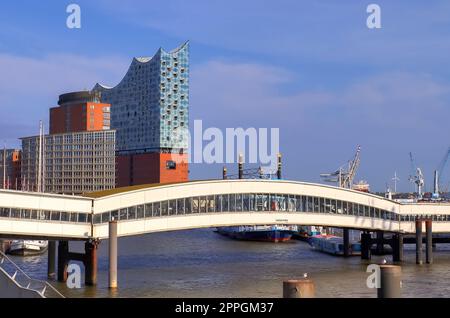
{"x":150,"y":113}
{"x":10,"y":169}
{"x":79,"y":111}
{"x":73,"y":163}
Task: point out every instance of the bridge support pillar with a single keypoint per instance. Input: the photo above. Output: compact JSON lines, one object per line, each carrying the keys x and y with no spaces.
{"x":380,"y":243}
{"x":51,"y":259}
{"x":89,"y":259}
{"x":63,"y":260}
{"x":397,"y":247}
{"x":429,"y":246}
{"x":390,"y":284}
{"x":419,"y":252}
{"x":366,"y":244}
{"x":302,"y":288}
{"x":346,"y":235}
{"x":90,"y":262}
{"x":113,"y":254}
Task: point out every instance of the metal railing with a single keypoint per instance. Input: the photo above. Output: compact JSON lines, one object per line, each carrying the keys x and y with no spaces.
{"x":43,"y":288}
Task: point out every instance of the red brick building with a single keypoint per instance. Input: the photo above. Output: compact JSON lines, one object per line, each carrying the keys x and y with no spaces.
{"x":79,"y":111}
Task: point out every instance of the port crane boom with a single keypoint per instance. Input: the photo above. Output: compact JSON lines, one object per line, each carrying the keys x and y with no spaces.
{"x":438,"y":174}
{"x":344,"y":177}
{"x":416,"y":177}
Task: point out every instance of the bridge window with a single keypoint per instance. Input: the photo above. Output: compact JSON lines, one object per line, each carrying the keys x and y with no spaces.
{"x":316,"y":205}
{"x":15,"y":213}
{"x":55,"y":216}
{"x":333,"y":206}
{"x":202,"y":204}
{"x":218,"y":200}
{"x":195,"y":205}
{"x":172,"y":207}
{"x":34,"y":214}
{"x":123,"y":214}
{"x":291,"y":203}
{"x":140,"y":213}
{"x":82,"y":217}
{"x":4,"y":212}
{"x":298,"y":204}
{"x":73,"y":217}
{"x":238,"y":202}
{"x":97,"y":218}
{"x":156,"y":209}
{"x":106,"y":217}
{"x":26,"y":214}
{"x":180,"y":206}
{"x":164,"y":208}
{"x":65,"y":217}
{"x":350,"y":207}
{"x":115,"y":215}
{"x":148,"y":210}
{"x":224,"y":201}
{"x":339,"y":209}
{"x":132,"y":213}
{"x":322,"y":205}
{"x":372,"y":212}
{"x":232,"y":202}
{"x":211,"y":204}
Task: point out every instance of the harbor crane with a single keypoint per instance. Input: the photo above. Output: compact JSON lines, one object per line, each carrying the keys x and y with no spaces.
{"x":343,"y":177}
{"x":438,"y":173}
{"x":416,"y":177}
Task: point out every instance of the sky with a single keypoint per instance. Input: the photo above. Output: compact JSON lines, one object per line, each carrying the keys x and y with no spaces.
{"x":313,"y":69}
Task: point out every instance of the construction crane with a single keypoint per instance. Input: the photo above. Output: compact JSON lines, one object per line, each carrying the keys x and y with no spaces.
{"x":343,"y":177}
{"x":416,"y":177}
{"x":438,"y":173}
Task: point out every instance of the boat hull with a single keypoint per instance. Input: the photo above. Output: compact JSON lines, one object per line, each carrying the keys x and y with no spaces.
{"x":269,"y":235}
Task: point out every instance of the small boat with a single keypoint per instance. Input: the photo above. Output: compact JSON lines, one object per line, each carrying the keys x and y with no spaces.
{"x":27,"y":247}
{"x":333,"y":245}
{"x":305,"y":232}
{"x":262,"y":233}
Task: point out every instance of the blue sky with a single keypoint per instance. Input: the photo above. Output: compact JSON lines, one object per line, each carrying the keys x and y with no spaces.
{"x":311,"y":68}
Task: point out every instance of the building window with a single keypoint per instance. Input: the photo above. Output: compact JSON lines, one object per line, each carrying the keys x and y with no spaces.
{"x":171,"y":165}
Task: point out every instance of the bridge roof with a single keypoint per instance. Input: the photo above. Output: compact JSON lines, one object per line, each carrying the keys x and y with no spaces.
{"x":105,"y":193}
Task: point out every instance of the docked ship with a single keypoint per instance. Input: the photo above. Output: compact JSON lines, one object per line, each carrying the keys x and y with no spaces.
{"x":333,"y":245}
{"x":27,"y":247}
{"x":262,"y":233}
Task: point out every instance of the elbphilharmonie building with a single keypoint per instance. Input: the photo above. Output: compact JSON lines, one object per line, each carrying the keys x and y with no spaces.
{"x":150,"y":113}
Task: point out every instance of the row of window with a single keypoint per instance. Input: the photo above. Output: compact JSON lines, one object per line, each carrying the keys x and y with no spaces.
{"x":223,"y":203}
{"x":73,"y":217}
{"x":254,"y":202}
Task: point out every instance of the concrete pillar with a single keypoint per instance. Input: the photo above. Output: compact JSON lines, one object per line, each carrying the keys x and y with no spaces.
{"x":380,"y":243}
{"x":390,"y":281}
{"x":366,"y":244}
{"x":63,"y":260}
{"x":346,"y":244}
{"x":51,"y":259}
{"x":302,"y":288}
{"x":419,"y":253}
{"x":113,"y":254}
{"x":429,"y":246}
{"x":397,"y":247}
{"x":90,"y":263}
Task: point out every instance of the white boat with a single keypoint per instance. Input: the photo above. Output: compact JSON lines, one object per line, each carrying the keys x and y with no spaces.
{"x":27,"y":247}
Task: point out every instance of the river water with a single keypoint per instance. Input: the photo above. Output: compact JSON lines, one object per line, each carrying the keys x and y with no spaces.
{"x":201,"y":263}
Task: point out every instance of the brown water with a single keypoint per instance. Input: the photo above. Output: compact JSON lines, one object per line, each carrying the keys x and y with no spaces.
{"x":201,"y":263}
